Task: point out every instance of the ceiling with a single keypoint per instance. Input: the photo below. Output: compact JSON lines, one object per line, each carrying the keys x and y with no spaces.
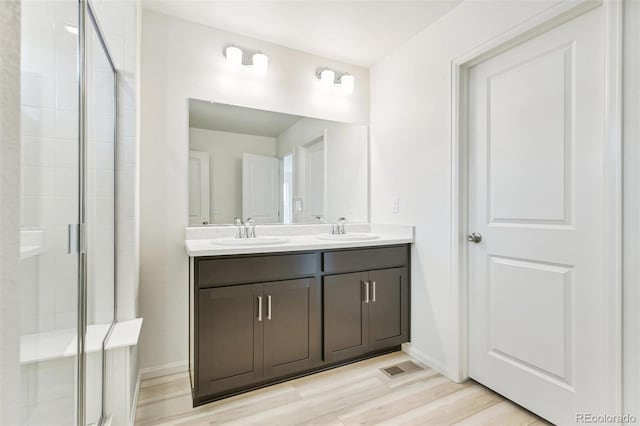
{"x":235,"y":119}
{"x":358,"y":32}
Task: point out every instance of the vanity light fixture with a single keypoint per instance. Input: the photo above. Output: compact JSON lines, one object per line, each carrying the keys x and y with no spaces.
{"x":260,"y":63}
{"x":344,"y":81}
{"x":327,"y":77}
{"x":235,"y":57}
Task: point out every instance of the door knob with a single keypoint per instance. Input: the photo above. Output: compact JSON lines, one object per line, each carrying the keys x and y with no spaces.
{"x":474,"y":238}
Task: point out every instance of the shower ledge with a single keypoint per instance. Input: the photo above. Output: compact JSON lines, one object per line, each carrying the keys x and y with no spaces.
{"x":62,"y":343}
{"x":31,"y":242}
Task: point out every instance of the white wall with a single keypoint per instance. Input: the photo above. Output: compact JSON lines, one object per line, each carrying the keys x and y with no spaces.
{"x":9,"y":213}
{"x":346,"y":156}
{"x":182,"y":60}
{"x":225,"y":167}
{"x":410,"y":156}
{"x":631,"y":226}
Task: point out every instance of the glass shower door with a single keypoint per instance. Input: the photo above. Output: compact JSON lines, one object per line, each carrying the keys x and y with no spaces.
{"x":49,"y":203}
{"x":67,"y":287}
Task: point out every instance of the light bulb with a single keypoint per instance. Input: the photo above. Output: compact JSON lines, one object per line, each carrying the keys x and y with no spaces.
{"x":346,"y":83}
{"x":327,"y":77}
{"x":260,"y":63}
{"x":233,"y":55}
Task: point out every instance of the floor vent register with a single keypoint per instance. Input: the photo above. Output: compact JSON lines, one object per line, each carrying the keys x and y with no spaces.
{"x":401,"y":369}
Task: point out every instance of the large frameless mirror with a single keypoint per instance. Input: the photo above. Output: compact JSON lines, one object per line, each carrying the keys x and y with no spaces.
{"x":274,"y":168}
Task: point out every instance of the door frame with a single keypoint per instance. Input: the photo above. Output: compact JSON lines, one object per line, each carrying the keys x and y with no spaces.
{"x":612,"y":296}
{"x":205,"y":163}
{"x":300,"y":180}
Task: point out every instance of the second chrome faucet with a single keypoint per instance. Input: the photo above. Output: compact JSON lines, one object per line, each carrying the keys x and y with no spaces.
{"x":246,"y":229}
{"x":338,"y":228}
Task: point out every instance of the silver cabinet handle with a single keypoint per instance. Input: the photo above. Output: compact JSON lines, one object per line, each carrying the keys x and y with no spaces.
{"x":259,"y":308}
{"x":373,"y":291}
{"x":366,"y":292}
{"x":269,"y":307}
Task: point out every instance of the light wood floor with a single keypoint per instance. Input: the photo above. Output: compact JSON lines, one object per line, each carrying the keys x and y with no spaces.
{"x":357,"y":394}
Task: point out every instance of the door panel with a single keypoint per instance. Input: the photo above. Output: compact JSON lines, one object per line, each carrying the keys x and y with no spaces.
{"x":520,"y":291}
{"x":388,"y":308}
{"x":314,"y":175}
{"x":291,"y":326}
{"x":536,"y":196}
{"x":345,"y":316}
{"x":199,"y":183}
{"x":230,"y":337}
{"x":260,"y":190}
{"x":529,"y":120}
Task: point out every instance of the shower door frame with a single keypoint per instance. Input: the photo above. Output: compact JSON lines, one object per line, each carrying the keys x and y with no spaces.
{"x":86,"y":10}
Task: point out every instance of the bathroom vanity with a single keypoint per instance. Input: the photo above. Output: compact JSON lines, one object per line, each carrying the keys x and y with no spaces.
{"x":261,"y":315}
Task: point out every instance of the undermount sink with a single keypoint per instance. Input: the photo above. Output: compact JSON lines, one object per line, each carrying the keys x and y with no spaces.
{"x":245,"y":242}
{"x":350,"y":236}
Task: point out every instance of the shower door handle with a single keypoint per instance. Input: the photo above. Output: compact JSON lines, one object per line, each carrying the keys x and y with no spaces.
{"x":76,"y":239}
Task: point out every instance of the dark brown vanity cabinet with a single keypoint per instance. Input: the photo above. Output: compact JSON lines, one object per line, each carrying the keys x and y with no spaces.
{"x":253,"y":332}
{"x":291,"y":327}
{"x":259,"y":319}
{"x":230,"y":338}
{"x":365,"y":311}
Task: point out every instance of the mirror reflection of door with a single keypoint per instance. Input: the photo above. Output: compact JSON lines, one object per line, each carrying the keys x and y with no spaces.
{"x":313,"y":188}
{"x":198,"y":188}
{"x":286,"y":176}
{"x":260,"y":189}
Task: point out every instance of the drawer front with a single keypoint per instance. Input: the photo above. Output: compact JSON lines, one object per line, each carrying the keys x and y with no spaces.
{"x":220,"y":272}
{"x":364,"y":259}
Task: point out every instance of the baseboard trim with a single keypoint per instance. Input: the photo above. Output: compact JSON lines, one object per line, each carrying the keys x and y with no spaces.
{"x":163,"y":370}
{"x":134,"y":403}
{"x":427,"y":360}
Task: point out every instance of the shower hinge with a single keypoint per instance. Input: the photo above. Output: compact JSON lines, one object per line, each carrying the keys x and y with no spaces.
{"x":77,"y":238}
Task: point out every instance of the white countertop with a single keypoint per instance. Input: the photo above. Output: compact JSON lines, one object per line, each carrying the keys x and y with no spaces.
{"x":200,"y":243}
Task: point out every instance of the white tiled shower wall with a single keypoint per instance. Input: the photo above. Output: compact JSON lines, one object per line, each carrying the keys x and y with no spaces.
{"x":49,"y":122}
{"x":120,"y":22}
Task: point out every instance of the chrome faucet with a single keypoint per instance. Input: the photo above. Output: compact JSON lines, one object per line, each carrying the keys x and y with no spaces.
{"x":238,"y":223}
{"x":338,"y":228}
{"x":249,"y":228}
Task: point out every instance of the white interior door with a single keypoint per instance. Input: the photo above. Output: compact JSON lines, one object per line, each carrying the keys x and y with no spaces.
{"x":536,"y":146}
{"x":314,"y":180}
{"x":260,"y":188}
{"x":198,"y":187}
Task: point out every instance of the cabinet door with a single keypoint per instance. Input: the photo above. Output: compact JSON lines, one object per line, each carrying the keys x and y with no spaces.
{"x":388,"y":308}
{"x":230,"y":340}
{"x":345,"y":316}
{"x":291,"y":326}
